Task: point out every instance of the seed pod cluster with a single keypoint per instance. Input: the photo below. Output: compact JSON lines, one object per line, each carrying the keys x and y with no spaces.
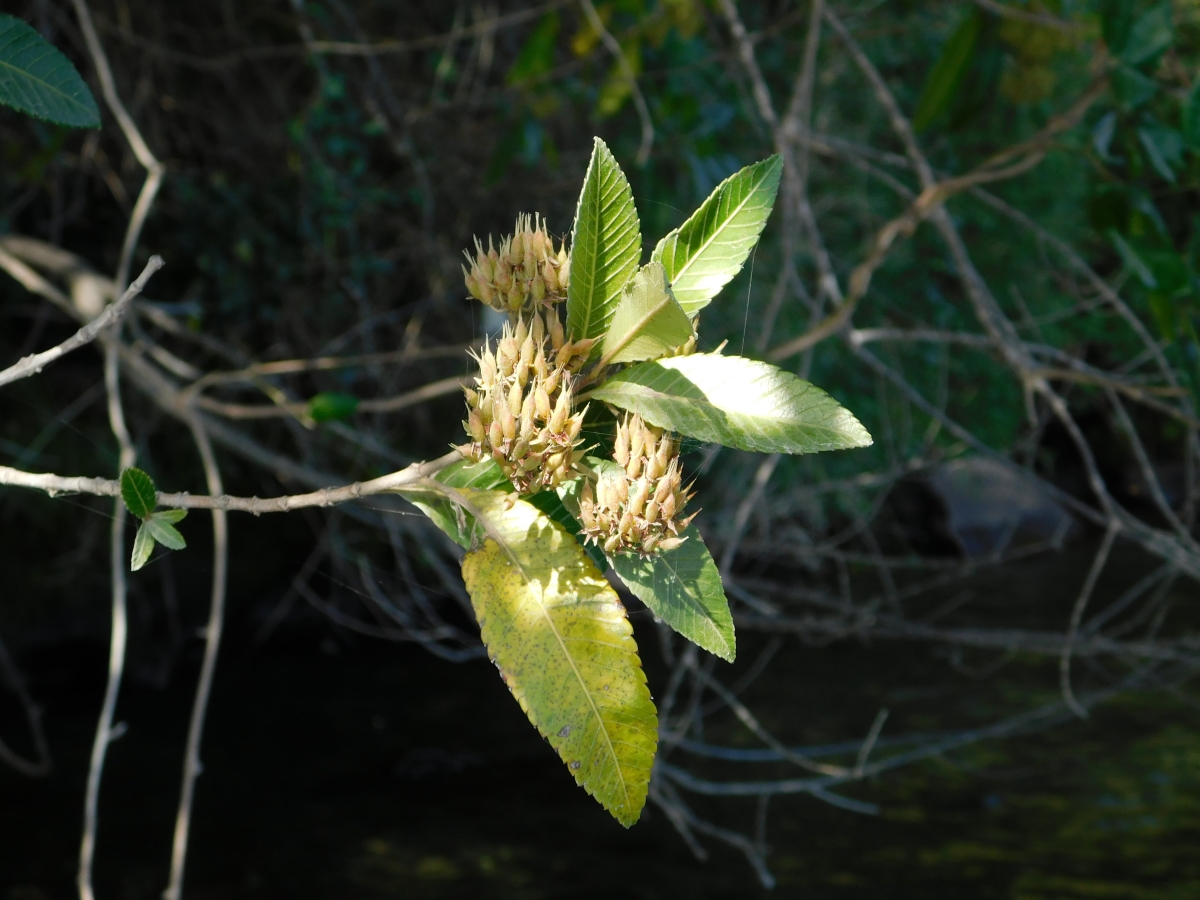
{"x":525,"y":273}
{"x":638,"y":508}
{"x":519,"y":412}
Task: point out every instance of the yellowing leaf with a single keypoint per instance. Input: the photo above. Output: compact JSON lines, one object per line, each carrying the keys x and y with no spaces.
{"x":558,"y":634}
{"x":649,"y":322}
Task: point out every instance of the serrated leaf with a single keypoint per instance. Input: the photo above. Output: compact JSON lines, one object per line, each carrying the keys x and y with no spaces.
{"x":703,"y":254}
{"x":558,"y":633}
{"x":37,"y":79}
{"x":736,"y":402}
{"x":171,"y":515}
{"x":683,"y":588}
{"x":164,"y":532}
{"x":143,"y":546}
{"x":649,"y":322}
{"x":443,"y":512}
{"x":947,"y":73}
{"x":1191,"y":117}
{"x":606,"y":246}
{"x":330,"y":406}
{"x":138,"y":492}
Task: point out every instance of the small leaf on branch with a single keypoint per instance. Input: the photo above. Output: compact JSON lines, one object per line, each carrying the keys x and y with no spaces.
{"x":173,"y":516}
{"x":605,"y":246}
{"x":138,"y":492}
{"x":703,"y":254}
{"x":683,"y":588}
{"x":164,"y":532}
{"x":330,"y":406}
{"x":648,"y":322}
{"x":143,"y":546}
{"x":736,"y":402}
{"x":558,"y":633}
{"x":441,"y":509}
{"x":37,"y":79}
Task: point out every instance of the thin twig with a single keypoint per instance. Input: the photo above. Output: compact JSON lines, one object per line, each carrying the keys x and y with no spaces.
{"x":1081,"y":602}
{"x":639,"y":100}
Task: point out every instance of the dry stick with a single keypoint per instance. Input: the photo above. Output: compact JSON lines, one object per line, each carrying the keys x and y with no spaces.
{"x":116,"y":654}
{"x":1085,"y":594}
{"x":35,"y":362}
{"x":639,"y":101}
{"x":33,"y":715}
{"x":212,"y":644}
{"x":300,"y":410}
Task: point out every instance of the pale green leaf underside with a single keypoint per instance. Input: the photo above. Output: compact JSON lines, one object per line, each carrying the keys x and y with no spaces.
{"x":605,"y":247}
{"x":37,"y":79}
{"x":648,"y":322}
{"x":736,"y":402}
{"x":164,"y":533}
{"x":143,"y":546}
{"x":683,"y":588}
{"x":703,"y":254}
{"x":558,"y":633}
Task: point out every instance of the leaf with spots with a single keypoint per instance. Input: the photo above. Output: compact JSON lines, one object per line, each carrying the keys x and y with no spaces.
{"x":559,"y":635}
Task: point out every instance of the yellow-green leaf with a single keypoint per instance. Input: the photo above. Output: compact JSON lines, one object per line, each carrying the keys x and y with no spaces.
{"x":558,"y":633}
{"x":649,"y":322}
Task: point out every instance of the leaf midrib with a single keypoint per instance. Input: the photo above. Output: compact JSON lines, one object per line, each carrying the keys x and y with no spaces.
{"x":25,"y":73}
{"x":635,"y":330}
{"x":695,"y":256}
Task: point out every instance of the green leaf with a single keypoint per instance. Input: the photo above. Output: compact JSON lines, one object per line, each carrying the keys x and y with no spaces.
{"x":683,"y":588}
{"x":1132,"y":260}
{"x":605,"y":247}
{"x":1191,"y":117}
{"x":331,"y":405}
{"x":537,"y":55}
{"x":947,"y":73}
{"x":558,"y":633}
{"x":1151,"y":34}
{"x":441,"y":509}
{"x":143,"y":546}
{"x":737,"y":402}
{"x":36,"y":78}
{"x":649,"y":322}
{"x":164,"y":532}
{"x":171,"y":515}
{"x":138,"y":492}
{"x":1164,"y":148}
{"x":703,"y":254}
{"x":1131,"y":87}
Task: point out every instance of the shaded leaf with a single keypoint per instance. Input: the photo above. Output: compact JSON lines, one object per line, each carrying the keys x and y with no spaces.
{"x":737,"y":402}
{"x":553,"y":505}
{"x":330,"y":406}
{"x":537,"y":55}
{"x":558,"y":633}
{"x":1132,"y":260}
{"x":138,"y":492}
{"x":36,"y":78}
{"x":947,"y":73}
{"x":648,"y":322}
{"x":1164,"y":148}
{"x":143,"y":546}
{"x":442,"y":511}
{"x":606,"y":246}
{"x":171,"y":515}
{"x":1131,"y":87}
{"x":1151,"y":33}
{"x":703,"y":254}
{"x":164,"y":532}
{"x":1191,"y":117}
{"x":683,"y":588}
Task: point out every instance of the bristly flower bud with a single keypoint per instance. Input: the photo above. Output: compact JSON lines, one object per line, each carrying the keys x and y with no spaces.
{"x":519,"y":412}
{"x":527,"y":273}
{"x":638,"y":509}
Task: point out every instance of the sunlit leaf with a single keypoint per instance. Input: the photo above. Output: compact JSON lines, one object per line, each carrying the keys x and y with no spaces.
{"x":558,"y":633}
{"x":737,"y":402}
{"x":947,"y":73}
{"x":683,"y":588}
{"x":648,"y":322}
{"x":605,"y":246}
{"x":551,"y":503}
{"x":37,"y":79}
{"x":143,"y":546}
{"x":138,"y":492}
{"x":442,"y":511}
{"x":705,"y":252}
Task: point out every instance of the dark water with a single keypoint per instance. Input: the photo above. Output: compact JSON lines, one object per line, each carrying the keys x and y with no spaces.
{"x":355,"y":769}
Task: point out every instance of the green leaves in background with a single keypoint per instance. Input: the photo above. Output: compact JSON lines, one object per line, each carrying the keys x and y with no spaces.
{"x":37,"y":79}
{"x":648,"y":322}
{"x":138,"y":492}
{"x":1191,"y":117}
{"x":330,"y":406}
{"x":605,"y":248}
{"x":705,"y":252}
{"x":736,"y":402}
{"x":683,"y":588}
{"x":140,"y":497}
{"x":1150,"y":34}
{"x":558,"y":633}
{"x":947,"y":73}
